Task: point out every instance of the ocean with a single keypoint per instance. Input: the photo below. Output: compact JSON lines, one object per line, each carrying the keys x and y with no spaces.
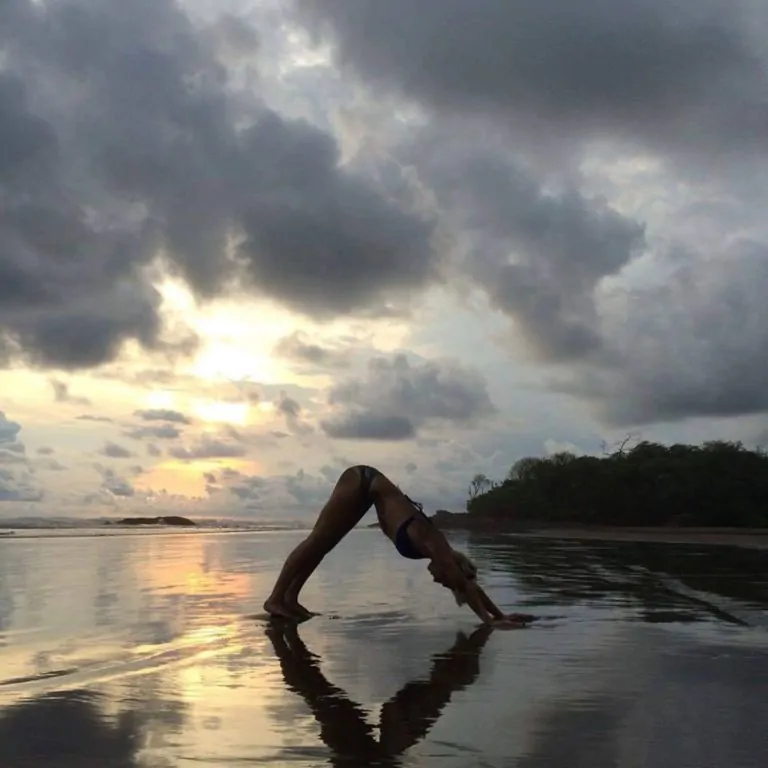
{"x":141,"y":649}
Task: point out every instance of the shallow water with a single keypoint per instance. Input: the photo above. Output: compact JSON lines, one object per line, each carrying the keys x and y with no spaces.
{"x":138,"y":651}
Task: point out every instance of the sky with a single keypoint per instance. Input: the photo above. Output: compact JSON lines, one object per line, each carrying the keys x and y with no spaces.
{"x":246,"y":244}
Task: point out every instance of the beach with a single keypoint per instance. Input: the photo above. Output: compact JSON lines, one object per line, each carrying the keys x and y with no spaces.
{"x":142,"y":651}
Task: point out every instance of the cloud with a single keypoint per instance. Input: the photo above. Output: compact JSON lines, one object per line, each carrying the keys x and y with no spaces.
{"x":163,"y":415}
{"x":248,"y":488}
{"x":147,"y":145}
{"x":538,"y":256}
{"x":153,"y":450}
{"x":397,"y":398}
{"x":50,"y":465}
{"x":61,"y":393}
{"x":248,"y":493}
{"x":10,"y":457}
{"x":369,"y":426}
{"x":9,"y":430}
{"x":11,"y":450}
{"x":598,"y":169}
{"x":249,"y":391}
{"x":160,"y":432}
{"x":113,"y":484}
{"x":291,"y":410}
{"x":689,"y":72}
{"x":18,"y":486}
{"x":90,"y":417}
{"x":45,"y":451}
{"x":208,"y":447}
{"x":115,"y":451}
{"x":298,"y":349}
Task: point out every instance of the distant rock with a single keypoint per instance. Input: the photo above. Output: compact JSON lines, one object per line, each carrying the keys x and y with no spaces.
{"x":164,"y":520}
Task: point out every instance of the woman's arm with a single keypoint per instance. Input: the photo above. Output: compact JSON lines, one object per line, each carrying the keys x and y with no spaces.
{"x":476,"y":600}
{"x":490,"y":606}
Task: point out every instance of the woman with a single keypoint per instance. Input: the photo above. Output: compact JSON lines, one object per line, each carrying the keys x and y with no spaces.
{"x":414,"y":535}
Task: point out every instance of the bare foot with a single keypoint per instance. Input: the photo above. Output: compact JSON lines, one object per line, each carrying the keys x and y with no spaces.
{"x":280,"y":609}
{"x":299,"y":610}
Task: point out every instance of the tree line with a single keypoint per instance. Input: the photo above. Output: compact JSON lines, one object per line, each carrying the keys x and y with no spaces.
{"x":718,"y":483}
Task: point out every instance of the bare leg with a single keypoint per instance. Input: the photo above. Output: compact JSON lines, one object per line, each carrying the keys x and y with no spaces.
{"x":294,"y":588}
{"x":338,"y":517}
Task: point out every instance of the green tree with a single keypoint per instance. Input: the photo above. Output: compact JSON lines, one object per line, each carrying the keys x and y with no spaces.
{"x":717,"y":483}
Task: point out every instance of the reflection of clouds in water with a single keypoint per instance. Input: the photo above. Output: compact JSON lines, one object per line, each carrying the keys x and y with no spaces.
{"x":6,"y":599}
{"x":578,"y":734}
{"x":65,"y":730}
{"x":97,"y":601}
{"x":659,"y":700}
{"x":653,"y":582}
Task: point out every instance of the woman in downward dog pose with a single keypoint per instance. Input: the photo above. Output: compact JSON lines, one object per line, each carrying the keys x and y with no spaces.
{"x":414,"y":535}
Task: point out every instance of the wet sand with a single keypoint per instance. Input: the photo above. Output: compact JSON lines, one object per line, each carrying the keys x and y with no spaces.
{"x":141,"y":652}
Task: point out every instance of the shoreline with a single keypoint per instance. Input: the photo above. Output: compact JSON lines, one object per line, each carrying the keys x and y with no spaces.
{"x":753,"y":538}
{"x":748,"y":538}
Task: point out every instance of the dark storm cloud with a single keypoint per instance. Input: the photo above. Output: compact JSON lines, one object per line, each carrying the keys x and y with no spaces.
{"x":396,"y":398}
{"x":683,"y":84}
{"x":689,"y":71}
{"x":696,"y":346}
{"x":691,"y":343}
{"x":539,"y":257}
{"x":119,"y":136}
{"x":162,"y":414}
{"x":323,"y":242}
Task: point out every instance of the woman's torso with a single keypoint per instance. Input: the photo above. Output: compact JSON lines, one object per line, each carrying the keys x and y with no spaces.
{"x":399,"y":518}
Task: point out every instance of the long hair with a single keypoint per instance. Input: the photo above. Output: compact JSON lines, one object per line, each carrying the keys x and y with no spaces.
{"x":469,"y":569}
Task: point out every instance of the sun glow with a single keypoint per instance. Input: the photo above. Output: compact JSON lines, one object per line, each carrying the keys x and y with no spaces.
{"x":161,"y":399}
{"x":229,"y":361}
{"x":220,"y":412}
{"x":182,"y":478}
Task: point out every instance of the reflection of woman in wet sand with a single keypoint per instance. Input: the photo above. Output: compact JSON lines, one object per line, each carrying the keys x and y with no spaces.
{"x":414,"y":535}
{"x":405,"y":719}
